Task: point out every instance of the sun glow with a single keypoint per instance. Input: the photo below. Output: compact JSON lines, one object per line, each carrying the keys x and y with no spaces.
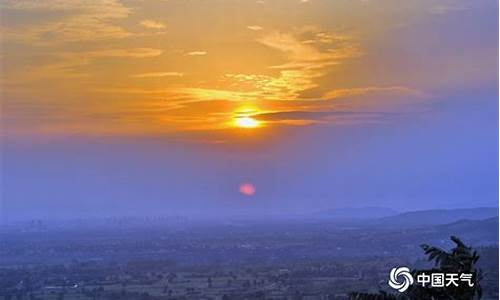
{"x":247,"y":189}
{"x":246,"y":122}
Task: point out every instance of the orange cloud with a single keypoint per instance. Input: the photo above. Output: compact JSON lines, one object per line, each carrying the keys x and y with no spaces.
{"x":152,"y":24}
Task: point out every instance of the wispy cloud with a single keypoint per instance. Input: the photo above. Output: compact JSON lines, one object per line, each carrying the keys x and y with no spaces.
{"x":158,"y":74}
{"x":255,"y":27}
{"x":196,"y":53}
{"x":132,"y":52}
{"x":81,"y":21}
{"x":305,"y":61}
{"x":66,"y":65}
{"x":152,"y":24}
{"x":337,"y":93}
{"x":314,"y":117}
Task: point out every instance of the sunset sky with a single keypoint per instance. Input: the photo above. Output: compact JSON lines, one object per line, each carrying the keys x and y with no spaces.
{"x":170,"y":106}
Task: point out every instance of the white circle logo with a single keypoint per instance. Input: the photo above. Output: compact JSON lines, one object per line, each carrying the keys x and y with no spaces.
{"x":400,"y":273}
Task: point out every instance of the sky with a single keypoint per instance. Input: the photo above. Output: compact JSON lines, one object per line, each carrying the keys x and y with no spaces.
{"x":158,"y":107}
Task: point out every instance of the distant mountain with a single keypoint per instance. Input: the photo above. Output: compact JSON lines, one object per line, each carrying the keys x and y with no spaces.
{"x":475,"y":232}
{"x":344,"y":213}
{"x":471,"y":225}
{"x":425,"y":218}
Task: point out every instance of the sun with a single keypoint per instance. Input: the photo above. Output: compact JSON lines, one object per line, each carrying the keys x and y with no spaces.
{"x":246,"y":122}
{"x":247,"y":189}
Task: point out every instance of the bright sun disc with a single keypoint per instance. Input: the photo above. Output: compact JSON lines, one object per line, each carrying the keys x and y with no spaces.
{"x":246,"y":122}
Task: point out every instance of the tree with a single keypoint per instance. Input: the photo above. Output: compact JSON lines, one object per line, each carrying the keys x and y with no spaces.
{"x":460,"y":259}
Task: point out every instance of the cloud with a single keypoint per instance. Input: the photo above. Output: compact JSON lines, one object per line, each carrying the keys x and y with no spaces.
{"x":302,"y":47}
{"x":69,"y":64}
{"x":332,"y":115}
{"x":196,"y":53}
{"x":152,"y":24}
{"x":287,"y":85}
{"x":297,"y":115}
{"x":100,"y":8}
{"x":305,"y":62}
{"x":159,"y":74}
{"x":309,"y":117}
{"x":205,"y":94}
{"x":90,"y":20}
{"x":132,"y":52}
{"x":254,"y":27}
{"x":347,"y":92}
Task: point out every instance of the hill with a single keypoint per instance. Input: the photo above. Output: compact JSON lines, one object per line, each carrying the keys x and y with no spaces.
{"x":426,"y":218}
